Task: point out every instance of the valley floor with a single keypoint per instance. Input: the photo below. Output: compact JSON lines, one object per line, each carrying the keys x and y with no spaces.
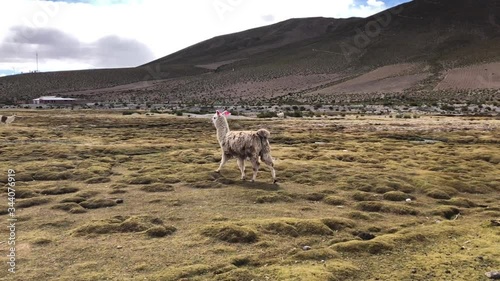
{"x":104,"y":196}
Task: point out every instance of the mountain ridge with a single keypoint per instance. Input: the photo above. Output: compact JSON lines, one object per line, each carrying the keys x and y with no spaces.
{"x":440,"y":35}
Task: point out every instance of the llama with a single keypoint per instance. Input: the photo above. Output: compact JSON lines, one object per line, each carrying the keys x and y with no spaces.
{"x":7,"y":119}
{"x":281,"y":115}
{"x":243,"y":145}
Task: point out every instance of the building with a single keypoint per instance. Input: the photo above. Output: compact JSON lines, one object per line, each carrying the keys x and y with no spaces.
{"x":54,"y":100}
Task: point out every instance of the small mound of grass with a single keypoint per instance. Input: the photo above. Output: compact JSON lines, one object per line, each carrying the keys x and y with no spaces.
{"x":120,"y":224}
{"x":183,"y":272}
{"x":41,"y":241}
{"x":334,"y":200}
{"x":386,"y":208}
{"x":26,"y":203}
{"x":118,"y":185}
{"x":459,"y":202}
{"x":337,"y":224}
{"x":437,"y":194}
{"x":364,"y":196}
{"x":370,"y":246}
{"x":311,"y":227}
{"x":157,"y":187}
{"x":57,"y":224}
{"x":240,"y":274}
{"x":281,"y":228}
{"x":117,"y":191}
{"x":447,"y":212}
{"x":334,"y":270}
{"x":75,"y":199}
{"x":397,"y":196}
{"x":359,"y":216}
{"x":274,"y":198}
{"x":169,"y":180}
{"x":98,"y":203}
{"x":70,"y":207}
{"x":51,"y":176}
{"x":96,"y":180}
{"x":472,"y":188}
{"x":401,"y":187}
{"x":87,"y":194}
{"x":141,"y":180}
{"x":59,"y":190}
{"x":139,"y":223}
{"x":316,"y":254}
{"x":363,"y":187}
{"x":295,"y":228}
{"x":26,"y":194}
{"x":314,"y":196}
{"x":231,"y":233}
{"x":244,"y":261}
{"x":160,"y":231}
{"x":383,"y":189}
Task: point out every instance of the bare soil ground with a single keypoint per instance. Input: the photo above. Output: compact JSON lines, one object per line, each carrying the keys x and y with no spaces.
{"x":481,"y":76}
{"x":339,"y":212}
{"x":389,"y":79}
{"x":215,"y":65}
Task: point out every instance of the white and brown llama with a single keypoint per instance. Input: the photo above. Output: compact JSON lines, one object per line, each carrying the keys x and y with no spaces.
{"x":243,"y":145}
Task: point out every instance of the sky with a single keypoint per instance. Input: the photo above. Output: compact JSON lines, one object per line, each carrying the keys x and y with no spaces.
{"x":86,"y":34}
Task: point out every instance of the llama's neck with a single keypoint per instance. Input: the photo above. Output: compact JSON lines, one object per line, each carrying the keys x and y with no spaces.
{"x":222,"y":129}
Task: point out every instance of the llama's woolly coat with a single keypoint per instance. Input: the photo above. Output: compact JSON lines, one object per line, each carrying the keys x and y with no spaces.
{"x":246,"y":144}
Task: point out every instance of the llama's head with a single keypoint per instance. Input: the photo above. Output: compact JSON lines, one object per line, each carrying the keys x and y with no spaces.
{"x":219,"y":118}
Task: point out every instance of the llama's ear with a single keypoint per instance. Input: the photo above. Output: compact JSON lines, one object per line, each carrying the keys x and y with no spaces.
{"x":218,"y":112}
{"x":226,"y":113}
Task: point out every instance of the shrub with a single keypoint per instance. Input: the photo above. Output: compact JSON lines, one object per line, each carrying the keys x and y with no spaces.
{"x":295,"y":113}
{"x":267,"y":114}
{"x":130,"y":112}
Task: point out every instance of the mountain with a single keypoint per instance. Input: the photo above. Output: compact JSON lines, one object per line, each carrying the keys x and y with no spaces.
{"x":245,"y":44}
{"x":431,"y":48}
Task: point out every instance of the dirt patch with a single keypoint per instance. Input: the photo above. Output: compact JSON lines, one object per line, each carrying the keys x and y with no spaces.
{"x":481,"y":76}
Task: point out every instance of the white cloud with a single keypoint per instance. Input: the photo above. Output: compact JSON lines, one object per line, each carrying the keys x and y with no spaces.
{"x":163,"y":26}
{"x":375,"y":3}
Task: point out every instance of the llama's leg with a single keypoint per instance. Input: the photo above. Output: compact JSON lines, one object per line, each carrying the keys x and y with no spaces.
{"x":222,"y":162}
{"x":241,"y":165}
{"x":255,"y":165}
{"x":269,"y":162}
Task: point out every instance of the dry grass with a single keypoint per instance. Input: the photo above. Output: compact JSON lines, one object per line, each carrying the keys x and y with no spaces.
{"x":180,"y":221}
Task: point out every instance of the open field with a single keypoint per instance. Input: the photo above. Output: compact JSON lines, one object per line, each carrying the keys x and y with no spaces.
{"x":339,"y":212}
{"x":482,"y":76}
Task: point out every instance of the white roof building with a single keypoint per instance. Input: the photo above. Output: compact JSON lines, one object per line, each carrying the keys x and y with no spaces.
{"x":53,"y":100}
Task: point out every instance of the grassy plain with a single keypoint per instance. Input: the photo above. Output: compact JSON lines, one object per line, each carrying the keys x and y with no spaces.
{"x":342,"y":192}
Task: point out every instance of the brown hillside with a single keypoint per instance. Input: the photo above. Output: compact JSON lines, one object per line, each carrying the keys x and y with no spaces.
{"x":305,"y":55}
